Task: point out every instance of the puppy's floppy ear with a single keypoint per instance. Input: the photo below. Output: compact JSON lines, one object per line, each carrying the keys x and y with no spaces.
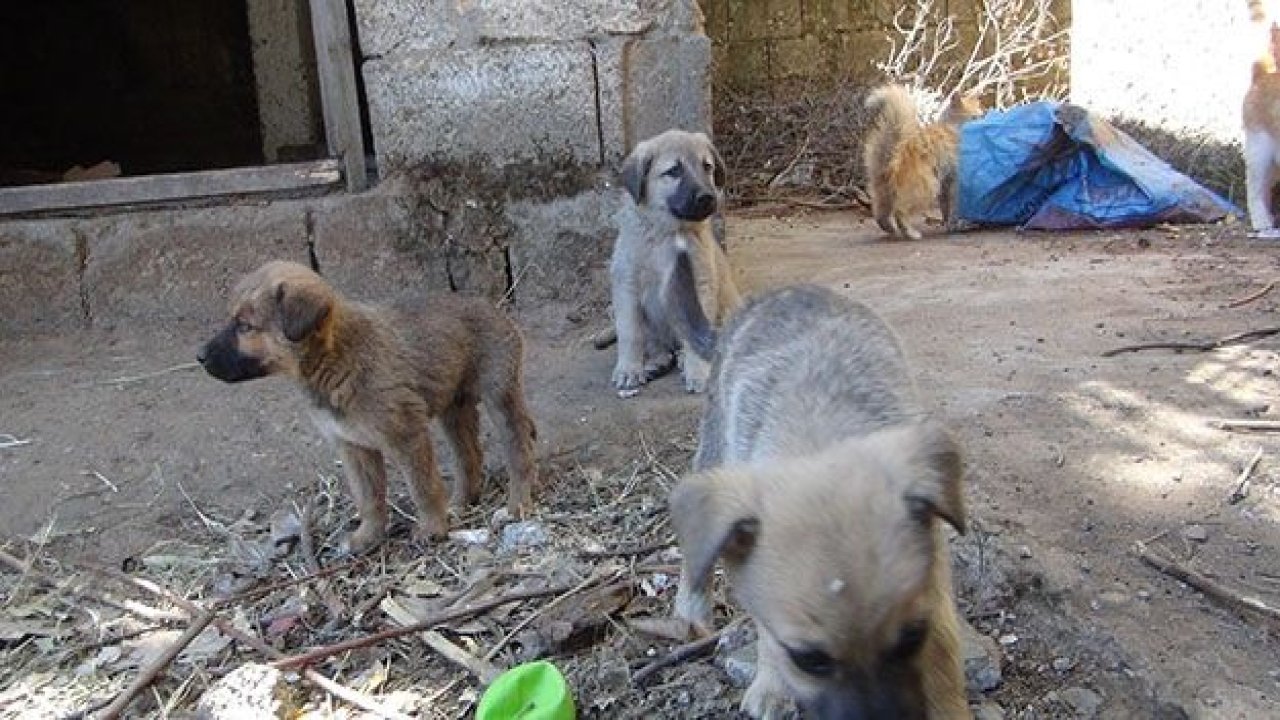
{"x":714,"y":515}
{"x":303,"y":307}
{"x":635,"y":171}
{"x":719,"y":175}
{"x":935,"y":489}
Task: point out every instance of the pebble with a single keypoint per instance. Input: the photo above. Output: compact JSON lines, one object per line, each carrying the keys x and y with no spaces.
{"x":524,"y":534}
{"x":740,"y":666}
{"x":1024,"y":552}
{"x":988,"y":711}
{"x":1083,"y":702}
{"x":251,"y":690}
{"x":1195,"y":533}
{"x":1063,"y":664}
{"x":981,"y":660}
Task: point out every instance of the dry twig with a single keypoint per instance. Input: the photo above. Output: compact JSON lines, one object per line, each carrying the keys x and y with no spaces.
{"x":157,"y":666}
{"x":1252,"y":296}
{"x":1243,"y":605}
{"x":1205,"y":346}
{"x":1257,"y":425}
{"x":683,"y":653}
{"x":227,"y":628}
{"x":316,"y":654}
{"x":337,"y":609}
{"x":1241,"y":490}
{"x":130,"y":606}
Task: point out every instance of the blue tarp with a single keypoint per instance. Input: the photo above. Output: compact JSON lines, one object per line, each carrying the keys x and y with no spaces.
{"x":1054,"y":166}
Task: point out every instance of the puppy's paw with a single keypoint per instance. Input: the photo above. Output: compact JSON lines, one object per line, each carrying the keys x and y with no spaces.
{"x":766,"y":698}
{"x":431,"y":529}
{"x":364,"y":539}
{"x":656,"y":367}
{"x":628,"y":376}
{"x":695,"y":372}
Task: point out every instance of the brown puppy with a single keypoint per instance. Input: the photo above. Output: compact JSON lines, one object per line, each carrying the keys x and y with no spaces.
{"x":376,"y":377}
{"x":910,"y":166}
{"x":820,"y":483}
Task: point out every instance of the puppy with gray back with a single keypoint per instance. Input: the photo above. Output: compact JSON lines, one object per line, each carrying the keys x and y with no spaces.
{"x":376,"y":377}
{"x":819,"y":482}
{"x":674,"y":182}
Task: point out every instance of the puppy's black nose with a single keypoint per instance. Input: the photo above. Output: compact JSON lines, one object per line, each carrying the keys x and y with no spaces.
{"x":704,"y":203}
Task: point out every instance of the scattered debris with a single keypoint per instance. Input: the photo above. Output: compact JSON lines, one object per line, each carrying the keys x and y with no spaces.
{"x":982,"y":661}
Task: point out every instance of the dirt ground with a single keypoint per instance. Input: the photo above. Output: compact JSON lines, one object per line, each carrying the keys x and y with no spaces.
{"x":1073,"y":457}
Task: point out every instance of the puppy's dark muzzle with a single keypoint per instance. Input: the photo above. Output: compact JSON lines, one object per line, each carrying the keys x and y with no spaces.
{"x":222,"y":359}
{"x":880,"y":702}
{"x":693,"y":202}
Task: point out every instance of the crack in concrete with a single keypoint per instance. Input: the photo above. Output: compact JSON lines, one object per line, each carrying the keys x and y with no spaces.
{"x":82,"y":262}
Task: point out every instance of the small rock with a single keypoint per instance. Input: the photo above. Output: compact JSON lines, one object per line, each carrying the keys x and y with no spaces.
{"x":1195,"y":533}
{"x":1007,"y":640}
{"x":1113,"y":598}
{"x":249,"y":691}
{"x":988,"y":711}
{"x":1144,"y":595}
{"x":1083,"y":703}
{"x":1063,"y":664}
{"x":1024,"y":552}
{"x":523,"y":535}
{"x":981,"y":660}
{"x":739,"y":665}
{"x":479,"y":536}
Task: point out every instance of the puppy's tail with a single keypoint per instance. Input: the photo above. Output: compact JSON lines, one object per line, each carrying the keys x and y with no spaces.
{"x":687,"y":317}
{"x":895,"y":116}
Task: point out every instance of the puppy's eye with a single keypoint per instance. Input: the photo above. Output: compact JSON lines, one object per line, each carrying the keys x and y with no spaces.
{"x":673,"y":172}
{"x":910,"y":640}
{"x":812,"y":661}
{"x":243,"y":326}
{"x":708,"y":165}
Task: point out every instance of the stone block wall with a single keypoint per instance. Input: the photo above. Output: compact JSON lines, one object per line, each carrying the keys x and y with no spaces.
{"x":544,"y":80}
{"x":759,"y":44}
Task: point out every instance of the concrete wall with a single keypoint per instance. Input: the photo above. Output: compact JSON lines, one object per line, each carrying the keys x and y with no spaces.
{"x":498,"y":129}
{"x":544,"y":80}
{"x":284,"y":73}
{"x":1183,"y":69}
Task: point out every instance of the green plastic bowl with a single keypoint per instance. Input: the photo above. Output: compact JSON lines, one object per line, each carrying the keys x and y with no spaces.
{"x":532,"y":691}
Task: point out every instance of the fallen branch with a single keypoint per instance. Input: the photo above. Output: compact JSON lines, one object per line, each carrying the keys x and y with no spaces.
{"x":1205,"y":346}
{"x":1252,"y":296}
{"x":1242,"y":483}
{"x":1258,"y":425}
{"x":350,"y":696}
{"x":591,"y":580}
{"x":141,"y":610}
{"x":1242,"y":605}
{"x":683,"y":653}
{"x":312,"y":656}
{"x":157,"y":666}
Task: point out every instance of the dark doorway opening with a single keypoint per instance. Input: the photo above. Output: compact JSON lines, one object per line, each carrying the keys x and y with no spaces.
{"x":154,"y":86}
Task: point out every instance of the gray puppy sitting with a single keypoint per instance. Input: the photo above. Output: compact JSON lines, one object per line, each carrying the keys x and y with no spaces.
{"x":819,"y":482}
{"x":674,"y":182}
